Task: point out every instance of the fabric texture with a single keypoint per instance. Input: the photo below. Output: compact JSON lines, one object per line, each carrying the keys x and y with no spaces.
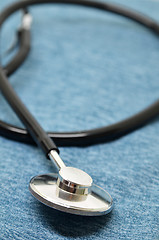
{"x":86,"y":69}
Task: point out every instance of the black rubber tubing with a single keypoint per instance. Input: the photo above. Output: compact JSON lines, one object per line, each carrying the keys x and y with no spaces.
{"x":86,"y":137}
{"x":22,"y":53}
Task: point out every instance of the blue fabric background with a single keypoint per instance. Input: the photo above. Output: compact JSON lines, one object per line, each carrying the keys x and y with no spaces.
{"x":96,"y":68}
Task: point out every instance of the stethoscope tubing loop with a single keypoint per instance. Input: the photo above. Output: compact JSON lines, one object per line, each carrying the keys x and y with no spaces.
{"x":83,"y":137}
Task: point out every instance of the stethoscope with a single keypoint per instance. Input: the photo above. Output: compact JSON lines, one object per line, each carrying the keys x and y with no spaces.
{"x":71,"y":190}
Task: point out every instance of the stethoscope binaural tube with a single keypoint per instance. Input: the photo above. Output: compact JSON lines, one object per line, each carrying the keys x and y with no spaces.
{"x":83,"y":137}
{"x":72,"y":190}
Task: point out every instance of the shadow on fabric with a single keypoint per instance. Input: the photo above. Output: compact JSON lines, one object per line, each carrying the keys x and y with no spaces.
{"x":70,"y":225}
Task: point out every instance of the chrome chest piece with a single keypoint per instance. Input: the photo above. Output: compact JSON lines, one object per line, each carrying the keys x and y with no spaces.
{"x":71,"y":190}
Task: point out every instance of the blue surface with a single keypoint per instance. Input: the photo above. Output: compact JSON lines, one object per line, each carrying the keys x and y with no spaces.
{"x":96,"y":69}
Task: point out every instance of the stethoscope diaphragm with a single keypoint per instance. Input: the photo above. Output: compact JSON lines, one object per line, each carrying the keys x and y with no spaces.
{"x":71,"y":197}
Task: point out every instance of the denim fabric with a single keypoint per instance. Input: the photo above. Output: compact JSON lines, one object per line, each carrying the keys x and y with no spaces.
{"x":86,"y":69}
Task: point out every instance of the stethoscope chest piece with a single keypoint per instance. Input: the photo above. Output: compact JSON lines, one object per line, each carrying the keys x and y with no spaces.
{"x":71,"y":191}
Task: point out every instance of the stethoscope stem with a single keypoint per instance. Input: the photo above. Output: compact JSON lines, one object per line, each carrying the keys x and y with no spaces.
{"x":56,"y":160}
